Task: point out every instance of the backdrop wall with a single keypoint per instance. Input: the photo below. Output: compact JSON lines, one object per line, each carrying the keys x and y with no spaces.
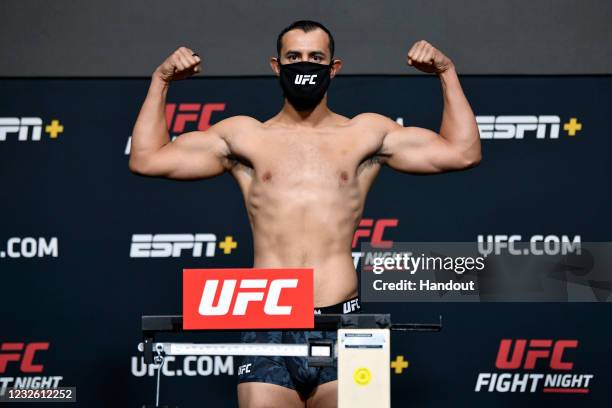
{"x":71,"y":279}
{"x":237,"y":37}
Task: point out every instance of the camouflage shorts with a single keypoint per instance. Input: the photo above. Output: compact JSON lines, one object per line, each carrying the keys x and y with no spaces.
{"x":291,"y":372}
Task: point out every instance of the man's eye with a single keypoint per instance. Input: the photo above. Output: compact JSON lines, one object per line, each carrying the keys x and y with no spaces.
{"x":292,"y":57}
{"x":317,"y":58}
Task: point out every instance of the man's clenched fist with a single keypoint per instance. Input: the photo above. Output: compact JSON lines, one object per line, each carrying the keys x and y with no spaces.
{"x":424,"y":57}
{"x":180,"y":65}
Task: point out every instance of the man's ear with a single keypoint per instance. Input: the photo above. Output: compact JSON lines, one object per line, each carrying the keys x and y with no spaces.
{"x":274,"y":65}
{"x":336,"y":66}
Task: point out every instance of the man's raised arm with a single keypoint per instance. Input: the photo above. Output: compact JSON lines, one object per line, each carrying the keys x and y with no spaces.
{"x":192,"y":155}
{"x":418,"y":150}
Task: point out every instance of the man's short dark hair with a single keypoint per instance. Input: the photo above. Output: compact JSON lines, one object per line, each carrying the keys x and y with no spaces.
{"x":306,"y":26}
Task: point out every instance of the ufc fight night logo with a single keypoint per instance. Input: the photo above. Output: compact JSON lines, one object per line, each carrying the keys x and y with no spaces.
{"x":24,"y":358}
{"x":305,"y":79}
{"x":372,"y":230}
{"x":22,"y":354}
{"x":552,"y":357}
{"x":247,"y":298}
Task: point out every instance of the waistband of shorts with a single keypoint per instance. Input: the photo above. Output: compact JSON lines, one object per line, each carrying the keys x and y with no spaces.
{"x":352,"y":305}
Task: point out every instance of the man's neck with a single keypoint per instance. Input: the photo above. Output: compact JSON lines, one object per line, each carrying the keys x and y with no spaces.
{"x":318,"y":116}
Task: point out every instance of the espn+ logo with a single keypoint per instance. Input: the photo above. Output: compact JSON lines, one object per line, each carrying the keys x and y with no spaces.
{"x":172,"y":245}
{"x":518,"y":126}
{"x":28,"y":128}
{"x":246,"y":298}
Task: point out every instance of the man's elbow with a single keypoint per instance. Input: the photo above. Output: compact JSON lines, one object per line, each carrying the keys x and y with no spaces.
{"x":138,"y":165}
{"x":133,"y":165}
{"x":473,"y":155}
{"x":472,"y":160}
{"x":469,"y":159}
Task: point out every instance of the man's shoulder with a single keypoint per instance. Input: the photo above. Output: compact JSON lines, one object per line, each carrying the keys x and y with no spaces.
{"x":238,"y":120}
{"x":235,"y":125}
{"x":374,"y":120}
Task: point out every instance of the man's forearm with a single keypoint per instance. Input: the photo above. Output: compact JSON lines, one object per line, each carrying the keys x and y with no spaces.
{"x":458,"y":122}
{"x":150,"y":131}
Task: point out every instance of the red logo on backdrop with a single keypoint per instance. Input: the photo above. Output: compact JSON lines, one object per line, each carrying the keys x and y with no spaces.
{"x":248,"y":298}
{"x":22,"y":353}
{"x":199,"y":113}
{"x":519,"y":361}
{"x":538,"y":349}
{"x":374,"y":229}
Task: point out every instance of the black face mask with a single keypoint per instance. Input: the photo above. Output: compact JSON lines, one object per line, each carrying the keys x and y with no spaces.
{"x":304,"y":83}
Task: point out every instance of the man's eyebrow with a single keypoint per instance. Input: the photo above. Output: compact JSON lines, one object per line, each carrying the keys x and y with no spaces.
{"x":317,"y":52}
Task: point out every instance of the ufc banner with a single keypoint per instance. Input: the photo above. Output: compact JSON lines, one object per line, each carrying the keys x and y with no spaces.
{"x":87,"y":247}
{"x":247,"y":299}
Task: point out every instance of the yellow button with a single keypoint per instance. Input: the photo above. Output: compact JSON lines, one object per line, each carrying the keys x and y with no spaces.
{"x":362,"y":376}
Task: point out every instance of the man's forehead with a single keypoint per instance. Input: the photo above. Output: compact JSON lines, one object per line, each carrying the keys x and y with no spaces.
{"x":300,"y":41}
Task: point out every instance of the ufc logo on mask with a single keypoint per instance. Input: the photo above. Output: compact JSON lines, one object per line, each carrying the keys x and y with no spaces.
{"x":305,"y":79}
{"x":247,"y":298}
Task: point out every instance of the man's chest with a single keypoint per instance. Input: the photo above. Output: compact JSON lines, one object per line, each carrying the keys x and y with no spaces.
{"x":312,"y":152}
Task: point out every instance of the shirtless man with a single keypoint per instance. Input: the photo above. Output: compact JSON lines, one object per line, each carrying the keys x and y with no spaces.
{"x":304,"y":175}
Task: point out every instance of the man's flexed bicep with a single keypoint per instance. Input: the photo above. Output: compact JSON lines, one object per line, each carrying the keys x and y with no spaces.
{"x":457,"y":146}
{"x":418,"y":150}
{"x":191,"y":156}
